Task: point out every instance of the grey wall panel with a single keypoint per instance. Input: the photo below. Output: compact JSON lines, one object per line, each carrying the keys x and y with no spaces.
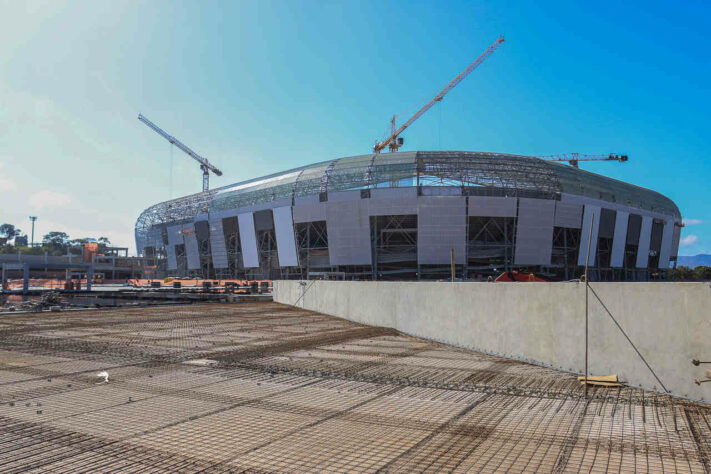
{"x":344,"y":196}
{"x":645,"y":237}
{"x":606,"y":229}
{"x":286,"y":242}
{"x":534,"y":231}
{"x":248,"y":240}
{"x":309,"y":212}
{"x":667,"y":242}
{"x":394,"y":193}
{"x":348,"y":227}
{"x":191,"y":249}
{"x":312,"y":199}
{"x":568,"y":215}
{"x":218,"y":248}
{"x":202,"y":230}
{"x":588,"y":212}
{"x":441,"y":226}
{"x":391,"y":207}
{"x":441,"y":191}
{"x":488,"y":206}
{"x":263,"y":220}
{"x":619,"y":240}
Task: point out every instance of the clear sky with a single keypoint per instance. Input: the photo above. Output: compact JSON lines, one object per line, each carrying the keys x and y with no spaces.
{"x":264,"y":86}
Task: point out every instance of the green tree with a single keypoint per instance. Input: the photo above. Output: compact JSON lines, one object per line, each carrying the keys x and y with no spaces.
{"x":684,"y":273}
{"x":56,"y":241}
{"x":103,"y":243}
{"x":8,"y":231}
{"x":702,"y":273}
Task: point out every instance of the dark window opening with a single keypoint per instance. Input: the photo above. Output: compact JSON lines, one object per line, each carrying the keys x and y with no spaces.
{"x":230,"y":229}
{"x":394,"y":246}
{"x":181,"y":259}
{"x":312,"y":245}
{"x":491,"y":244}
{"x":655,"y":244}
{"x":564,"y":254}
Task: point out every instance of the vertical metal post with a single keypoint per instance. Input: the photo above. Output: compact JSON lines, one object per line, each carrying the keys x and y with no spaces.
{"x":25,"y":278}
{"x":32,"y":240}
{"x":452,"y":262}
{"x":587,"y":261}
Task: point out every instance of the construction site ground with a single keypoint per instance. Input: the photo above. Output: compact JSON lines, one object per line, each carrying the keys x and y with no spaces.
{"x":263,"y":387}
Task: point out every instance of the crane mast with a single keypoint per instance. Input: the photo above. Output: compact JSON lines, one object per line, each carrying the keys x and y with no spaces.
{"x":574,"y":158}
{"x":393,"y":142}
{"x":205,"y":165}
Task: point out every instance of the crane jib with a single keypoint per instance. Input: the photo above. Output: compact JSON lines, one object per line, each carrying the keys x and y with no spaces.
{"x":204,"y":163}
{"x":392,"y":139}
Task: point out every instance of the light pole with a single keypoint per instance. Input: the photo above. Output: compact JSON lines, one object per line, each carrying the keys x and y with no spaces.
{"x":33,"y":219}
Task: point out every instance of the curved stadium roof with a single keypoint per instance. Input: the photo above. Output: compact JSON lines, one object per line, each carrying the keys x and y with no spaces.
{"x":483,"y":173}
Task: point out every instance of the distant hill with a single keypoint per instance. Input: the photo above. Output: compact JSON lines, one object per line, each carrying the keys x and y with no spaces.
{"x":694,"y":261}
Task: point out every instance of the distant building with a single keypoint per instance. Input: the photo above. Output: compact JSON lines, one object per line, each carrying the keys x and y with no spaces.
{"x":399,"y":215}
{"x":21,"y":241}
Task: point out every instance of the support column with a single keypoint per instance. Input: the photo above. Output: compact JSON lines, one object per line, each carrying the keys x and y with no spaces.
{"x":25,"y":278}
{"x":89,"y":276}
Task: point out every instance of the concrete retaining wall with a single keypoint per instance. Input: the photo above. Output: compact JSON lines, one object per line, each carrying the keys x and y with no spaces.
{"x":670,"y":323}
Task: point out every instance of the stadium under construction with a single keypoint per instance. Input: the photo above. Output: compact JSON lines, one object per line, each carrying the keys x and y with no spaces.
{"x":407,"y":215}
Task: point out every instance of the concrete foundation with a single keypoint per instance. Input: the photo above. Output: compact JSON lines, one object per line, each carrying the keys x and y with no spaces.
{"x":544,"y":323}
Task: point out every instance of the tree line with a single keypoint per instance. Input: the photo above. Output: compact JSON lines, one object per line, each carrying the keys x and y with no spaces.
{"x":700,"y":273}
{"x":13,"y":239}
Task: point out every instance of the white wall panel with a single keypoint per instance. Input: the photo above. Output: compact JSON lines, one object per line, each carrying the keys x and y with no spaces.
{"x":191,"y":249}
{"x":619,"y":240}
{"x":441,"y":226}
{"x":348,"y":227}
{"x":588,"y":212}
{"x":644,"y":238}
{"x":489,"y":206}
{"x":248,"y":240}
{"x":667,"y":238}
{"x":286,"y":242}
{"x":534,"y":231}
{"x":568,"y":215}
{"x":171,"y":257}
{"x":174,"y":238}
{"x":218,"y":248}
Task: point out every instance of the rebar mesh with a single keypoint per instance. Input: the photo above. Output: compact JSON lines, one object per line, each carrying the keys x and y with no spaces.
{"x":268,"y":388}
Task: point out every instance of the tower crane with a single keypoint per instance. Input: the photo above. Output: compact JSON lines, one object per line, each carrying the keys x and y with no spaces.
{"x":574,"y":158}
{"x":205,"y":165}
{"x":393,"y":142}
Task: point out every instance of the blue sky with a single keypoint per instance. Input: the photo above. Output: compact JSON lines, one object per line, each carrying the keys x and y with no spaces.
{"x":263,"y":86}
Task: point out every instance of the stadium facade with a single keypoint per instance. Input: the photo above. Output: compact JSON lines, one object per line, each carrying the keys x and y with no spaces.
{"x":400,"y":215}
